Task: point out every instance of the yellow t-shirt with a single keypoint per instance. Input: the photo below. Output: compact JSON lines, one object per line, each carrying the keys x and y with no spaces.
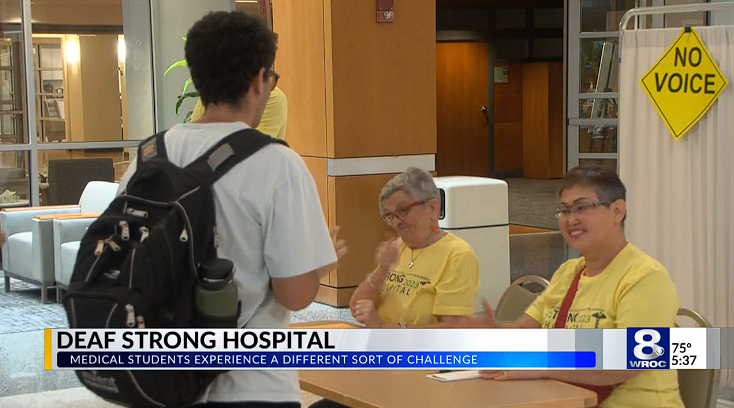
{"x":443,"y":281}
{"x":275,"y":116}
{"x":633,"y":291}
{"x":198,"y":111}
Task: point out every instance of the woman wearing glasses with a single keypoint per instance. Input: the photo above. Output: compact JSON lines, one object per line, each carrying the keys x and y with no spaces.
{"x":614,"y":285}
{"x":424,"y":277}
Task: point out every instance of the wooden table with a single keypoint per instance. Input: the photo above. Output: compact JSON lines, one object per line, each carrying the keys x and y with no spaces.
{"x":411,"y":388}
{"x":400,"y":389}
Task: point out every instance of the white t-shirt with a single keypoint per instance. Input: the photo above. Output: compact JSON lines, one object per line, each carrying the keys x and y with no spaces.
{"x":270,"y":225}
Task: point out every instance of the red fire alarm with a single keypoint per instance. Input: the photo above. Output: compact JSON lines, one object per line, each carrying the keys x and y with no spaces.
{"x":385,"y":13}
{"x":264,"y":6}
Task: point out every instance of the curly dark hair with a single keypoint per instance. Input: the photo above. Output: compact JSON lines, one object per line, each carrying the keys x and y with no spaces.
{"x":225,"y":51}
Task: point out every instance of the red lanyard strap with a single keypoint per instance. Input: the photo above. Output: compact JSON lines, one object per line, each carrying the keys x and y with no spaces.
{"x":566,"y":304}
{"x":602,"y":391}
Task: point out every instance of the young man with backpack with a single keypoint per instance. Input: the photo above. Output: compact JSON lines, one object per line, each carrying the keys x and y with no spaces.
{"x":269,"y":220}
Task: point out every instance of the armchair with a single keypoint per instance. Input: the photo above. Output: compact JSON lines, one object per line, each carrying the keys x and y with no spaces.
{"x":67,"y":178}
{"x":518,"y":297}
{"x":28,"y":253}
{"x":68,"y":231}
{"x":698,"y":388}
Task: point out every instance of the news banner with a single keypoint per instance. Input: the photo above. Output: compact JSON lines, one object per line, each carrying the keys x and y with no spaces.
{"x":435,"y":349}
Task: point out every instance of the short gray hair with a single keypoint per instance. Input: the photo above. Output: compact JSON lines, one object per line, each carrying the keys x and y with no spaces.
{"x":416,"y":183}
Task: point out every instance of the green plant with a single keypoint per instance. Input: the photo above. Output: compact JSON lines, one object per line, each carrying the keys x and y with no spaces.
{"x":184,"y":95}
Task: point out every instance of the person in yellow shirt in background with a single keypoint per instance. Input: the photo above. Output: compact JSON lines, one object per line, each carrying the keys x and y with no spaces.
{"x":425,"y":277}
{"x":617,"y":286}
{"x":275,"y":116}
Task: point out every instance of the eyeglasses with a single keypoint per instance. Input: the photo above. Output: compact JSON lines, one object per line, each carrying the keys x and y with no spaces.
{"x":578,"y":209}
{"x":401,"y":212}
{"x":273,"y":78}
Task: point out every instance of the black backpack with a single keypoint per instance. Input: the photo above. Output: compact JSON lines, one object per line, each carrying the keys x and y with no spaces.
{"x":137,"y":264}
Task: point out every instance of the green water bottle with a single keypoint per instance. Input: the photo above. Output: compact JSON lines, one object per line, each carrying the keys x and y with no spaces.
{"x":215,"y":297}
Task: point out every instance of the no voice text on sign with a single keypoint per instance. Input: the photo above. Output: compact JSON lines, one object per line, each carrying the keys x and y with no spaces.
{"x":684,"y":83}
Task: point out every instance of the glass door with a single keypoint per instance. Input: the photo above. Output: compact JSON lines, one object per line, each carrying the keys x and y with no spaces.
{"x":593,"y":80}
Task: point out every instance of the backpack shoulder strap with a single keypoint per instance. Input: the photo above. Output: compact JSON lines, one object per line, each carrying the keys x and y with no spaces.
{"x":154,"y":146}
{"x":229,"y":152}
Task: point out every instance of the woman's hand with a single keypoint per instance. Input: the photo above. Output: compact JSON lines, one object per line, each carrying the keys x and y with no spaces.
{"x":387,"y":254}
{"x":2,"y":237}
{"x":340,"y":245}
{"x":366,"y":313}
{"x":505,"y":375}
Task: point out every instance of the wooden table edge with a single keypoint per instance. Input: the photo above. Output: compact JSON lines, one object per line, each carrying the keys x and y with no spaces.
{"x":332,"y":395}
{"x":589,"y":400}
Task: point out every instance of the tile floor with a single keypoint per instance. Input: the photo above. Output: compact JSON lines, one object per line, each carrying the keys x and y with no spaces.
{"x":22,"y":310}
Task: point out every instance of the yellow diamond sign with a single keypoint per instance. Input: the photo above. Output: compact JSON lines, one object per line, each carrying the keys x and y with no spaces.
{"x":684,"y":83}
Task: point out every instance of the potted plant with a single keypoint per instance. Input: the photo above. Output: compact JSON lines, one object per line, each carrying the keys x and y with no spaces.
{"x":184,"y":95}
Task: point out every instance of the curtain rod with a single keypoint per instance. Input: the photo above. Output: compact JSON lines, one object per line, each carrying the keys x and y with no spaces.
{"x":683,"y":8}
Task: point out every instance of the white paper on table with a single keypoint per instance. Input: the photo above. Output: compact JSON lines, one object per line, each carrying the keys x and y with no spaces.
{"x":455,"y":375}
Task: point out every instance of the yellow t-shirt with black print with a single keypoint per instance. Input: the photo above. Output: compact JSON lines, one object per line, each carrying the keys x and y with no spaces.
{"x":634,"y":290}
{"x":274,"y":119}
{"x":443,"y":281}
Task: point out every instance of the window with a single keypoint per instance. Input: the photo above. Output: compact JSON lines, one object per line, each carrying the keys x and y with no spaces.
{"x":598,"y":67}
{"x":518,"y":33}
{"x":14,"y":165}
{"x":49,"y":81}
{"x":67,"y":86}
{"x":593,"y":81}
{"x":602,"y":15}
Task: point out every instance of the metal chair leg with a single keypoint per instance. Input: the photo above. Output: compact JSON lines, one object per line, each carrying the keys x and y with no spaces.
{"x":7,"y":284}
{"x":44,"y":294}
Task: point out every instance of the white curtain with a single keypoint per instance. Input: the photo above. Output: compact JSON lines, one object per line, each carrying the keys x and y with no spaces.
{"x":681,"y":193}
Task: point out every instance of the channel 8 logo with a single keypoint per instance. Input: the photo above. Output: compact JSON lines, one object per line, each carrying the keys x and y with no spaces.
{"x":646,"y":348}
